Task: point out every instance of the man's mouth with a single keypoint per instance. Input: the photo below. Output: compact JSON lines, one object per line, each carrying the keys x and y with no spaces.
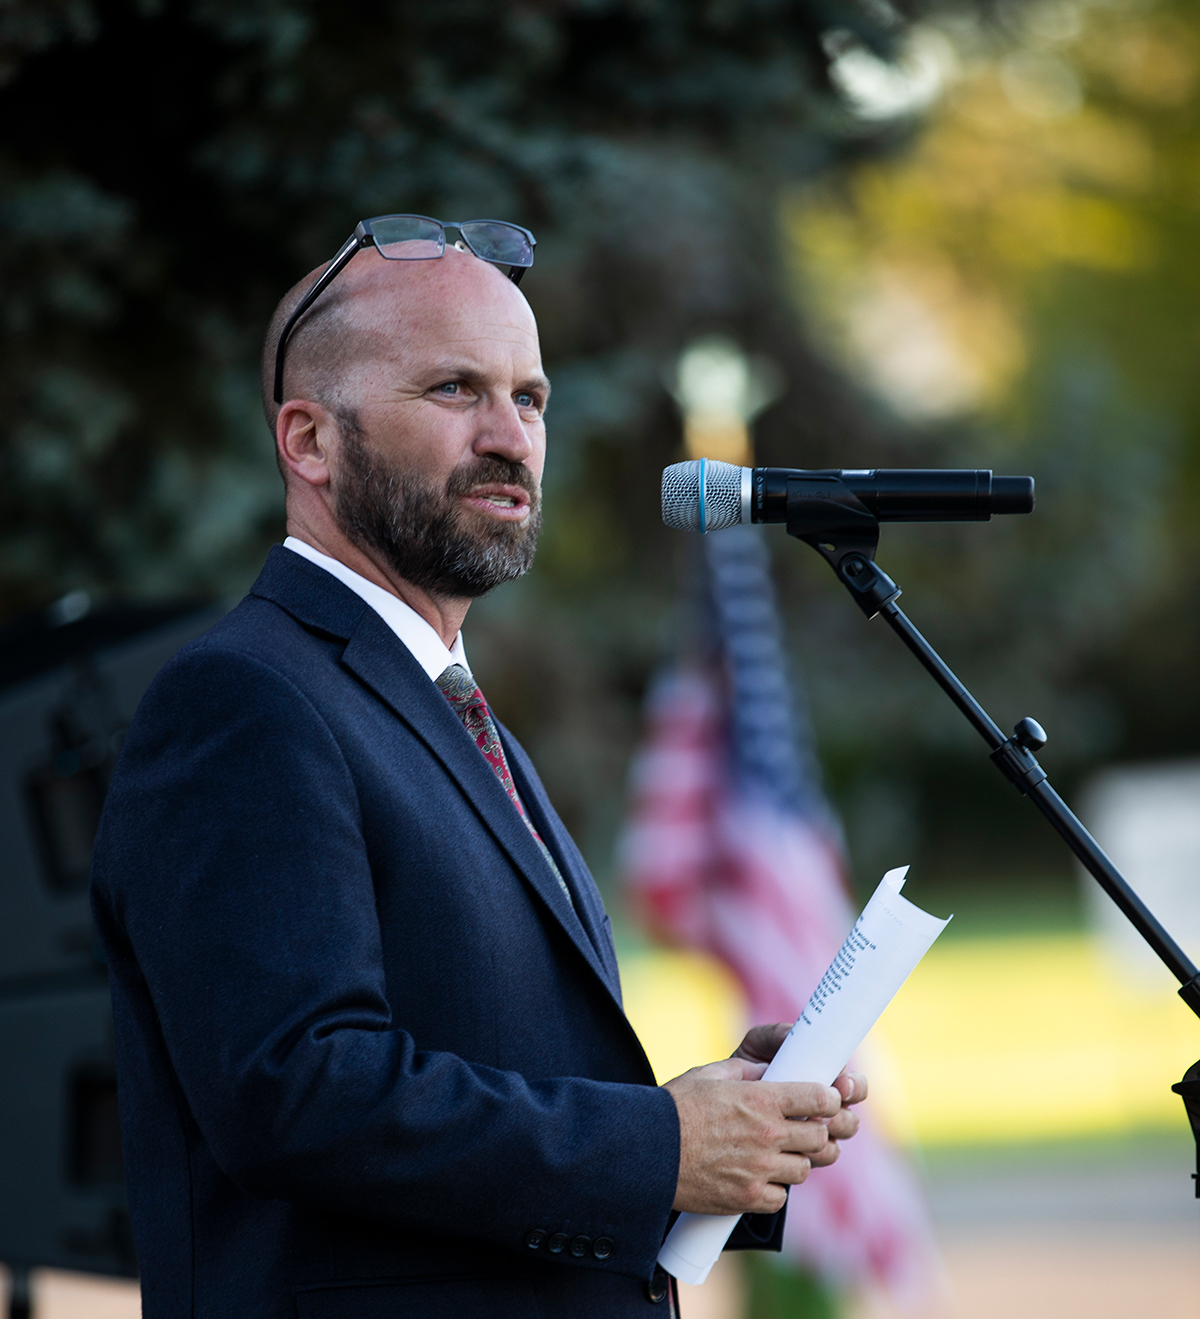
{"x":503,"y":501}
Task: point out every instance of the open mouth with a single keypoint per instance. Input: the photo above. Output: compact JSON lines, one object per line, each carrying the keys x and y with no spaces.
{"x":509,"y":502}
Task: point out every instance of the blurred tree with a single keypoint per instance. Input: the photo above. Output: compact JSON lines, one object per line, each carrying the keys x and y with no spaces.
{"x":1021,"y":290}
{"x":169,"y":169}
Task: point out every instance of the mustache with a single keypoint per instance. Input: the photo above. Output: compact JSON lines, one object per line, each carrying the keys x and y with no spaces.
{"x":492,"y":470}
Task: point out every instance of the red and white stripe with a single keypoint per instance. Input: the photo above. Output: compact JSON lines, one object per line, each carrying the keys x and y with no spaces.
{"x":764,"y":891}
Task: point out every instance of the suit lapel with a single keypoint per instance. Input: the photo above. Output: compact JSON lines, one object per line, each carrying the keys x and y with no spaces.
{"x":381,"y":661}
{"x":588,"y":903}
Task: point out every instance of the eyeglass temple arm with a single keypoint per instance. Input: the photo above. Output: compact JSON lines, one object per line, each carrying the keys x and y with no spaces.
{"x":357,"y":240}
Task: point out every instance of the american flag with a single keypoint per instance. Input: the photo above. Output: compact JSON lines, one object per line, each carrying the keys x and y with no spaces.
{"x":732,"y":848}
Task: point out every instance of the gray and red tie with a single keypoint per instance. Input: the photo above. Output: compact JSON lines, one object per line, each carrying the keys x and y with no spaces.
{"x":467,"y":701}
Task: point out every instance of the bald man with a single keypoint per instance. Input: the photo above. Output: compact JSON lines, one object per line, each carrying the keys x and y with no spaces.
{"x":372,"y":1055}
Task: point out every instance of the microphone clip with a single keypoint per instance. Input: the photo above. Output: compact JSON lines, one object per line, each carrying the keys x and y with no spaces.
{"x":825,"y":513}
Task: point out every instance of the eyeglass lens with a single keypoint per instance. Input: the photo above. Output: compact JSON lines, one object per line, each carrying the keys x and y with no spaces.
{"x":408,"y":238}
{"x":493,"y":241}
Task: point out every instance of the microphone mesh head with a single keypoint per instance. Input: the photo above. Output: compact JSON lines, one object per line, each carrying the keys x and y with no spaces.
{"x":722,"y":496}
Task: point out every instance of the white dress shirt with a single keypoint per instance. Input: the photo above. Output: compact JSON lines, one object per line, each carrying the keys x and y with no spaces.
{"x":427,"y":648}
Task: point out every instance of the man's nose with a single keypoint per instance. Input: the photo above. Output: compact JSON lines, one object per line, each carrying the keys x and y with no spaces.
{"x":504,"y":434}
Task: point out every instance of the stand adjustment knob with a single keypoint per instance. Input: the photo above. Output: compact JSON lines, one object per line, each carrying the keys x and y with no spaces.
{"x":1030,"y":734}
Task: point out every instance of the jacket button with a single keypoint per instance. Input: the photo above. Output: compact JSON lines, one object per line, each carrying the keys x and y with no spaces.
{"x":536,"y":1238}
{"x":657,"y":1287}
{"x":581,"y":1246}
{"x":602,"y":1247}
{"x":557,"y":1243}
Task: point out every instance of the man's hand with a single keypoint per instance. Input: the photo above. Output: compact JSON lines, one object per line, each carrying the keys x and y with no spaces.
{"x":740,"y":1145}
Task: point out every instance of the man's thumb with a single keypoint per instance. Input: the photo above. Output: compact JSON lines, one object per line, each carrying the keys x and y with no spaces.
{"x":732,"y":1069}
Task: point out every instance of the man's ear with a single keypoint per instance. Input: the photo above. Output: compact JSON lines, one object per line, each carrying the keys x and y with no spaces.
{"x":305,"y":434}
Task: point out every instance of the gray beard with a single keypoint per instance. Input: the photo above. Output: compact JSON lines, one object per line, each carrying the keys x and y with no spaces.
{"x":426,"y":535}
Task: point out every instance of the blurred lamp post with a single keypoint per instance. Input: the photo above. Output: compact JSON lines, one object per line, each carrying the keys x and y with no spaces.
{"x":721,"y":391}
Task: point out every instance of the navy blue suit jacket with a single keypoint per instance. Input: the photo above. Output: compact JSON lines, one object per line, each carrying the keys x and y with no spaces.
{"x":371,"y":1062}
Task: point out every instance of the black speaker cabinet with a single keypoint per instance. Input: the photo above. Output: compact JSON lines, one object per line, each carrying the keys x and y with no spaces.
{"x":70,"y":680}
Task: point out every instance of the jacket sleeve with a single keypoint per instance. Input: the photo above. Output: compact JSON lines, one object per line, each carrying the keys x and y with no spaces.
{"x":231,"y":862}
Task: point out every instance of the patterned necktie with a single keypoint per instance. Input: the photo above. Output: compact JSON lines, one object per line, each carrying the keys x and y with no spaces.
{"x":466,"y":700}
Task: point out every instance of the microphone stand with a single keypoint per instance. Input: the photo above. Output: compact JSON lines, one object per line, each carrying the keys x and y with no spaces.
{"x":846,"y":535}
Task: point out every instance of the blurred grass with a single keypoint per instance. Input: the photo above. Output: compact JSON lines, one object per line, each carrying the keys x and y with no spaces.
{"x":1171,"y":1147}
{"x":1026,"y":1037}
{"x":1007,"y":1034}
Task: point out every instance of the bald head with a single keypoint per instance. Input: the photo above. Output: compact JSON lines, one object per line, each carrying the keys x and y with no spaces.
{"x":378,"y":312}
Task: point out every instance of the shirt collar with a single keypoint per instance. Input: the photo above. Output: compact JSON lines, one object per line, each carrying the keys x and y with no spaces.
{"x":427,"y":648}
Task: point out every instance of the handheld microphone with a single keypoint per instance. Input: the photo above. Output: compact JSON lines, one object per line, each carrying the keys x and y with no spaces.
{"x":706,"y":495}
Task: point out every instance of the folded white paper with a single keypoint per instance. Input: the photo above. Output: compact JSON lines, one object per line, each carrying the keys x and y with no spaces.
{"x":880,"y":953}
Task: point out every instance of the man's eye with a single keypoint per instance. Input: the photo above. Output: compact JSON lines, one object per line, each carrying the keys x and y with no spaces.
{"x":450,"y":387}
{"x":526,"y":401}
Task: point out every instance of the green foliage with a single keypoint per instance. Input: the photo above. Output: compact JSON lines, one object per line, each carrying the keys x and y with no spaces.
{"x":1038,"y":239}
{"x":168,"y":169}
{"x":777,"y":1291}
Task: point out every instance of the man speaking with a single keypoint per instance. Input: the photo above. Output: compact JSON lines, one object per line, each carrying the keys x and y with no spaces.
{"x":371,"y":1049}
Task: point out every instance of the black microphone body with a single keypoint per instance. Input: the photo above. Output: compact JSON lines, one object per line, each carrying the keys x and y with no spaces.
{"x":708,"y":495}
{"x":902,"y":494}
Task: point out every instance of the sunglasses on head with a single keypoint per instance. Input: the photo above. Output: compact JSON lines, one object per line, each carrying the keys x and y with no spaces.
{"x":415,"y":238}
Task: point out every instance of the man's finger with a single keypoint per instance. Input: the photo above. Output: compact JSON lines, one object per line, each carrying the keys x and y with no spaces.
{"x":823,"y":1158}
{"x":843,"y":1126}
{"x":772,"y":1199}
{"x":792,"y":1169}
{"x":806,"y":1098}
{"x":804,"y":1137}
{"x":852,"y":1086}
